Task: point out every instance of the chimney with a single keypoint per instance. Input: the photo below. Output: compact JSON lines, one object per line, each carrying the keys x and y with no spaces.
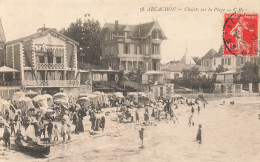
{"x":116,"y":26}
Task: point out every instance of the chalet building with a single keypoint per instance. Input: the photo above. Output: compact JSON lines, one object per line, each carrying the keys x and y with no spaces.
{"x":174,"y":70}
{"x":129,"y":47}
{"x":213,"y":59}
{"x":46,"y":60}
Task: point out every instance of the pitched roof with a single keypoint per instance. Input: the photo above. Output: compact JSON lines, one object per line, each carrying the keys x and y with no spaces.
{"x":142,"y":30}
{"x":220,"y":52}
{"x":2,"y":33}
{"x":209,"y":54}
{"x":187,"y":59}
{"x":180,"y":66}
{"x":39,"y":34}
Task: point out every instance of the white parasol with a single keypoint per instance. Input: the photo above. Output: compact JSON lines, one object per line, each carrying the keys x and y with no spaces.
{"x":39,"y":98}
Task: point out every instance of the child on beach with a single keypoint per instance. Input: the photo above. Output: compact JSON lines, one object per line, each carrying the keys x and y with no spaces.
{"x":198,"y":137}
{"x":6,"y":137}
{"x":55,"y":132}
{"x":68,"y":132}
{"x":62,"y":131}
{"x":141,"y":135}
{"x":191,"y":121}
{"x":136,"y":116}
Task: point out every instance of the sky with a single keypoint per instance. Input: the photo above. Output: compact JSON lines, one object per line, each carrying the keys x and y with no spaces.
{"x":186,"y":27}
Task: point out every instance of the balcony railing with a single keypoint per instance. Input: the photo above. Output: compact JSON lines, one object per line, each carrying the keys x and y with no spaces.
{"x":51,"y":83}
{"x":47,"y":66}
{"x":156,"y":56}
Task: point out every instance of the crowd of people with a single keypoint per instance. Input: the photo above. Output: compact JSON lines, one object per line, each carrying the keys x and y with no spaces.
{"x":38,"y":126}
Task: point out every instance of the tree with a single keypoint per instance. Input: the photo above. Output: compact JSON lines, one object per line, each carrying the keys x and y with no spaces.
{"x":87,"y":35}
{"x":221,"y":69}
{"x":191,"y":73}
{"x":197,"y":60}
{"x":250,"y":73}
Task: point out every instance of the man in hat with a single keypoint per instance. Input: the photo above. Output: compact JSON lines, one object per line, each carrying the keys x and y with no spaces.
{"x":49,"y":129}
{"x":141,"y":136}
{"x":6,"y":137}
{"x":76,"y":122}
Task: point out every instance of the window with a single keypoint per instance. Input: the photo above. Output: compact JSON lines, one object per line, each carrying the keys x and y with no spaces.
{"x":222,"y":61}
{"x":176,"y":75}
{"x":41,"y":59}
{"x":126,"y":49}
{"x":229,"y":61}
{"x":135,"y":52}
{"x":225,"y":61}
{"x":127,"y":35}
{"x":207,"y":63}
{"x":50,"y":59}
{"x":58,"y":60}
{"x":214,"y":61}
{"x":155,"y":49}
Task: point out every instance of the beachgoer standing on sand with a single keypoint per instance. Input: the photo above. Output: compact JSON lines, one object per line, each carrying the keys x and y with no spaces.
{"x":42,"y":128}
{"x":62,"y":131}
{"x":191,"y":121}
{"x":198,"y":109}
{"x":102,"y":123}
{"x":68,"y":132}
{"x":198,"y":137}
{"x":141,"y":136}
{"x":6,"y":137}
{"x":18,"y":120}
{"x":12,"y":126}
{"x":136,"y":116}
{"x":76,"y":122}
{"x":49,"y":129}
{"x":192,"y":110}
{"x":56,"y":132}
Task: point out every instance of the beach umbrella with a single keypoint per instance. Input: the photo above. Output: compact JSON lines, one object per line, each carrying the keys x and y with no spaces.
{"x":48,"y":96}
{"x":4,"y":102}
{"x":98,"y":93}
{"x":142,"y":94}
{"x":17,"y":95}
{"x":30,"y":92}
{"x":25,"y":99}
{"x":60,"y":94}
{"x":84,"y":98}
{"x":132,"y":94}
{"x":39,"y":98}
{"x":119,"y":95}
{"x":60,"y":101}
{"x":5,"y":69}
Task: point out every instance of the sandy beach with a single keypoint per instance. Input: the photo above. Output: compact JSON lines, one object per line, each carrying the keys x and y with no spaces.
{"x":229,"y":133}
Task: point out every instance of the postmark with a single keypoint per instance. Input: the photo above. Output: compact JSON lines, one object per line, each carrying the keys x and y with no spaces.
{"x":240,"y":34}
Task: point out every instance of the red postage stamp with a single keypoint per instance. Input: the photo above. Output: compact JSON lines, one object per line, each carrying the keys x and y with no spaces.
{"x":240,"y":34}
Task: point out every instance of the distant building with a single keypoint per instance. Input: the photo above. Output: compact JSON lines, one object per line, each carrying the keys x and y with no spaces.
{"x":213,"y":59}
{"x":45,"y":60}
{"x":174,"y":70}
{"x":129,"y":47}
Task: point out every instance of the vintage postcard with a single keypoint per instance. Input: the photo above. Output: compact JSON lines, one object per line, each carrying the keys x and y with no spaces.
{"x":129,"y":80}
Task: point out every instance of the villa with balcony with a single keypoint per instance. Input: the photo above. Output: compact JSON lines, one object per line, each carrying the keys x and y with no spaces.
{"x":46,"y":60}
{"x":131,"y":47}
